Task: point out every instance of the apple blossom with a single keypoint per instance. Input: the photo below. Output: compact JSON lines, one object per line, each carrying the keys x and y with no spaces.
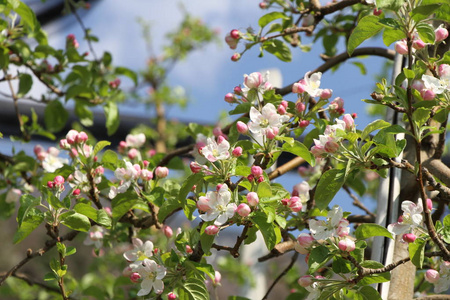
{"x":312,"y":83}
{"x":237,"y":90}
{"x":254,"y":80}
{"x":231,"y":42}
{"x":411,"y":218}
{"x":235,"y":57}
{"x":168,"y":232}
{"x":349,"y":122}
{"x":281,"y":109}
{"x":346,"y":245}
{"x":237,"y":152}
{"x":71,"y":136}
{"x":441,"y":33}
{"x":146,"y":175}
{"x":299,"y":87}
{"x":322,"y":230}
{"x":135,"y":277}
{"x":303,"y":123}
{"x":13,"y":195}
{"x":401,"y":47}
{"x":95,"y":237}
{"x":377,"y":12}
{"x":151,"y":274}
{"x":337,"y":106}
{"x":82,"y":137}
{"x":52,"y":162}
{"x":409,"y":237}
{"x":305,"y":280}
{"x":241,"y":127}
{"x":429,"y":204}
{"x":256,"y":171}
{"x":214,"y":151}
{"x":76,"y":192}
{"x":171,"y":296}
{"x":140,"y":250}
{"x":161,"y":172}
{"x":432,"y":276}
{"x":235,"y":34}
{"x":326,"y":94}
{"x":444,"y":71}
{"x":211,"y":230}
{"x":252,"y":199}
{"x":135,"y":140}
{"x":133,"y":153}
{"x":219,"y":207}
{"x":267,"y":121}
{"x":243,"y":210}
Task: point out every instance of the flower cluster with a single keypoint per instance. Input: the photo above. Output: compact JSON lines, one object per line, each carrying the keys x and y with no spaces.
{"x":50,"y":159}
{"x":335,"y":225}
{"x":217,"y":206}
{"x":409,"y":220}
{"x":329,"y":141}
{"x":143,"y":268}
{"x":267,"y":122}
{"x":131,"y":145}
{"x":441,"y":279}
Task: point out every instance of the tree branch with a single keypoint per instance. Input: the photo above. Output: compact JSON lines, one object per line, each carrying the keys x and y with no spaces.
{"x":291,"y":264}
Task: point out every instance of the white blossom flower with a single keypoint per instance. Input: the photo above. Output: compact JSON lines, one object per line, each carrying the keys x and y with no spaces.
{"x":140,"y":251}
{"x":80,"y":181}
{"x":335,"y":225}
{"x":13,"y":195}
{"x":443,"y":283}
{"x":436,"y":85}
{"x":312,"y":84}
{"x":95,"y":237}
{"x":220,"y":208}
{"x":151,"y":274}
{"x":257,"y":82}
{"x":135,"y":140}
{"x":126,"y":176}
{"x":267,"y":121}
{"x":214,"y":151}
{"x":411,"y":218}
{"x":52,"y":161}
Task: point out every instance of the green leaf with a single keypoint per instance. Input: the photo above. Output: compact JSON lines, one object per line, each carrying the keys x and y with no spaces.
{"x":318,"y":257}
{"x":271,"y":233}
{"x":192,"y":289}
{"x":29,"y":223}
{"x":264,"y":190}
{"x":85,"y":115}
{"x":75,"y":221}
{"x":329,"y":184}
{"x":110,"y":159}
{"x":421,"y":116}
{"x":27,"y":17}
{"x":266,"y":19}
{"x":409,"y":73}
{"x":361,"y":67}
{"x":300,"y":150}
{"x":279,"y":49}
{"x":367,"y":230}
{"x":241,"y":108}
{"x":25,"y":83}
{"x":366,"y":28}
{"x":369,"y":293}
{"x":392,"y":35}
{"x":423,"y":11}
{"x":375,"y":125}
{"x":426,"y":32}
{"x":112,"y":117}
{"x":27,"y":202}
{"x":79,"y":91}
{"x":185,"y":190}
{"x":122,"y":203}
{"x":127,"y":72}
{"x":206,"y":240}
{"x":416,"y":252}
{"x":237,"y":298}
{"x":389,"y":4}
{"x":99,"y":146}
{"x":55,"y":116}
{"x":168,"y":207}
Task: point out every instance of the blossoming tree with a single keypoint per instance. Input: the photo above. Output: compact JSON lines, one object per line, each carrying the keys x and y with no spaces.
{"x":123,"y":199}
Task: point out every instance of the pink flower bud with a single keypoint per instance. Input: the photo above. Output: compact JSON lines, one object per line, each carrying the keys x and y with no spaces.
{"x":217,"y":277}
{"x":300,"y":107}
{"x":63,"y":144}
{"x":284,"y":103}
{"x":331,"y":146}
{"x":256,"y":171}
{"x":401,"y":47}
{"x":145,"y":163}
{"x":82,"y":137}
{"x":400,"y":219}
{"x":444,"y":70}
{"x":346,"y":245}
{"x":241,"y":127}
{"x":441,"y":34}
{"x":243,"y":210}
{"x":235,"y":34}
{"x":409,"y":237}
{"x":230,"y":98}
{"x":50,"y":184}
{"x":252,"y":199}
{"x":418,"y":44}
{"x":171,"y":296}
{"x":263,"y":5}
{"x":250,"y":177}
{"x":161,"y":172}
{"x":211,"y":230}
{"x":73,"y":153}
{"x":58,"y":180}
{"x":151,"y":152}
{"x":235,"y":57}
{"x":189,"y":249}
{"x":146,"y":175}
{"x":432,"y":276}
{"x":305,"y":240}
{"x":305,"y":281}
{"x":168,"y":232}
{"x":349,"y":122}
{"x":217,"y":131}
{"x":427,"y":95}
{"x":377,"y":12}
{"x":195,"y":167}
{"x":260,"y":179}
{"x":76,"y":192}
{"x":237,"y":90}
{"x":71,"y":136}
{"x":254,"y":80}
{"x":429,"y":204}
{"x":271,"y":133}
{"x":295,"y":204}
{"x":281,"y":109}
{"x":237,"y":152}
{"x":134,"y":277}
{"x":326,"y":94}
{"x":133,"y":153}
{"x":203,"y":204}
{"x":38,"y":149}
{"x":417,"y":85}
{"x":303,"y":123}
{"x":299,"y":87}
{"x":127,"y":271}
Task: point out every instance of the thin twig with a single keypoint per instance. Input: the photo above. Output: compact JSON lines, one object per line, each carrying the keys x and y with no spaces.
{"x":358,"y":203}
{"x":86,"y":31}
{"x":291,"y":264}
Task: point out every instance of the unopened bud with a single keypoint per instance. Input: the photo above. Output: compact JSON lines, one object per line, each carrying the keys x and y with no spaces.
{"x":243,"y":210}
{"x":211,"y":230}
